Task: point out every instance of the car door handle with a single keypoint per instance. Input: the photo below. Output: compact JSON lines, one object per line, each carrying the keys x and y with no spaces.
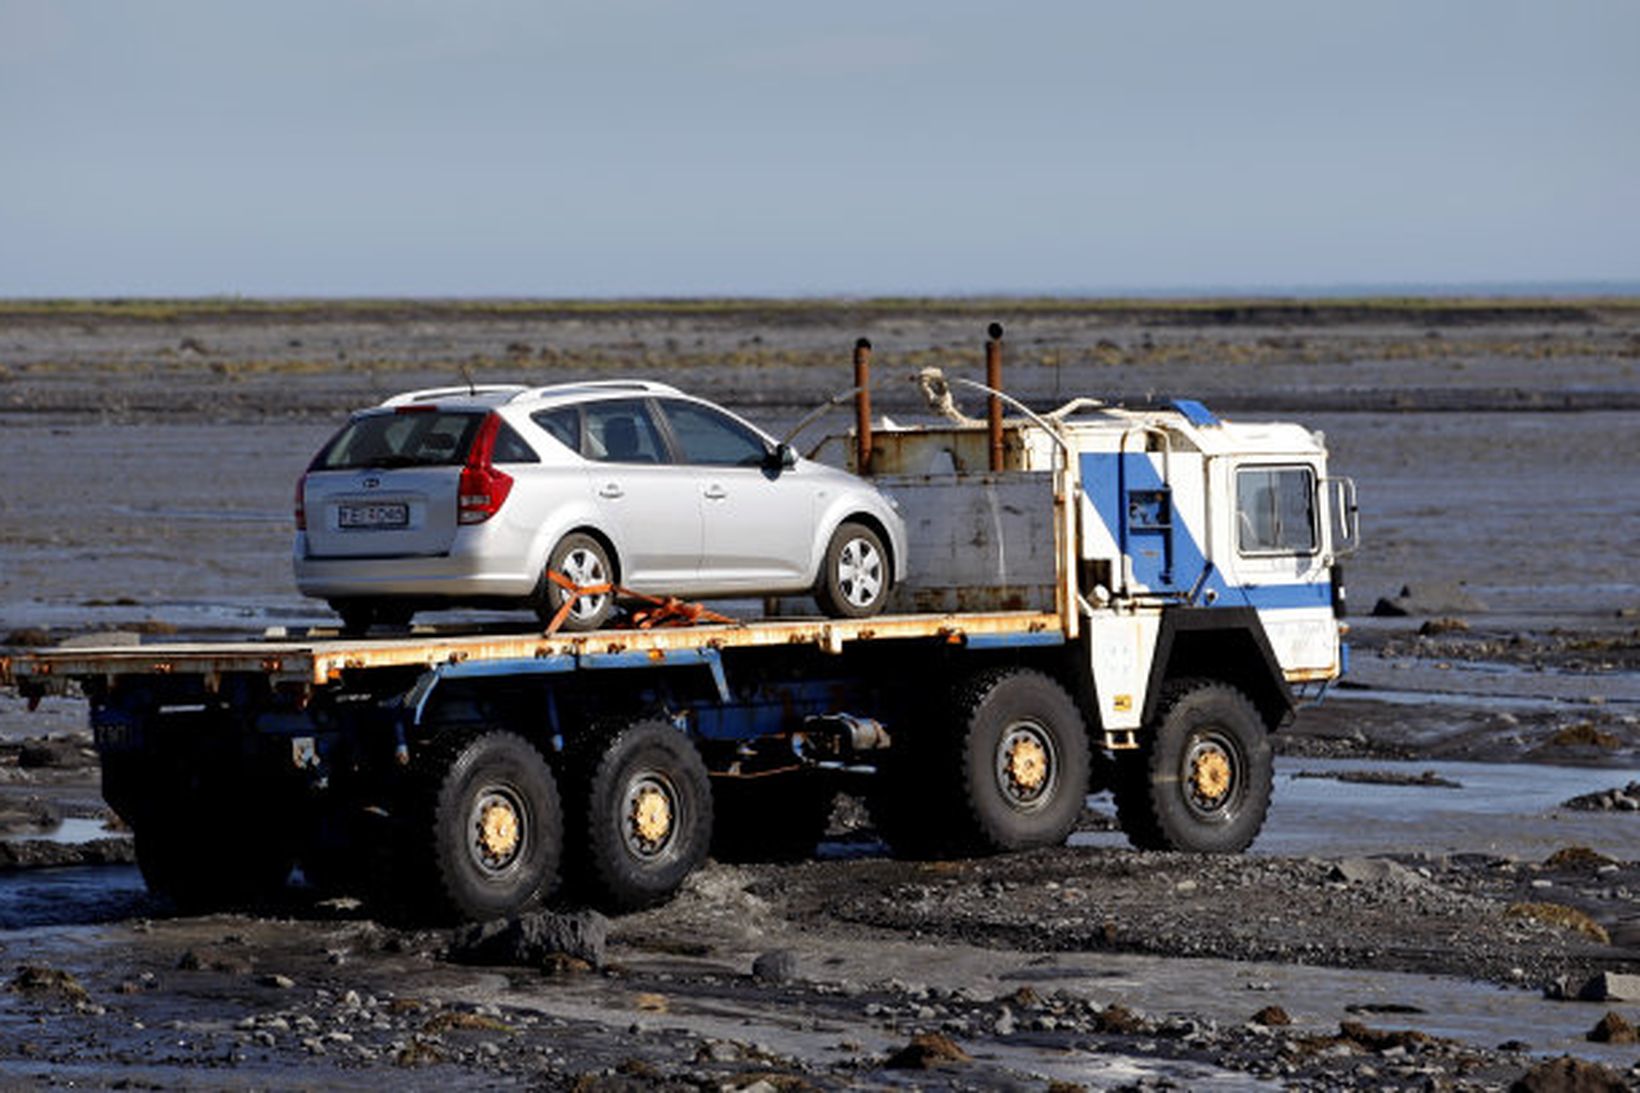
{"x":714,"y":492}
{"x":611,"y":490}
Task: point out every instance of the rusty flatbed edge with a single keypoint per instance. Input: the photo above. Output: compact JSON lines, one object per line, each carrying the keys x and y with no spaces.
{"x":321,"y":660}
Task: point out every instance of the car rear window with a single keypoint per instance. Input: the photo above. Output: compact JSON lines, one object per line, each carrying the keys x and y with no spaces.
{"x":425,"y":438}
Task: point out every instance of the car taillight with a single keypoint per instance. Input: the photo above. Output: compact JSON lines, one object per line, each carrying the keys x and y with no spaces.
{"x":301,"y":504}
{"x":483,"y":489}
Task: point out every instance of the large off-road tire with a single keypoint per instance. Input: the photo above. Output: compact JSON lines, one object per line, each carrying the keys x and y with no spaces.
{"x":584,"y":560}
{"x":1003,"y":765}
{"x":855,"y":574}
{"x":1201,"y":779}
{"x":641,"y":816}
{"x":776,"y":818}
{"x":485,"y":828}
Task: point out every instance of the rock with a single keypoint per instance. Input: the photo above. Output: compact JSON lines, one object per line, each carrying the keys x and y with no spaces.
{"x":1568,"y":1075}
{"x":1435,"y":599}
{"x":35,"y":979}
{"x":282,"y":982}
{"x":1444,"y":625}
{"x":775,"y":966}
{"x":1117,"y":1018}
{"x":535,"y":939}
{"x":1614,"y":1028}
{"x":1611,"y":987}
{"x":53,"y":753}
{"x":1375,"y":871}
{"x":1560,"y":916}
{"x":1272,"y":1017}
{"x":1620,"y":799}
{"x":214,"y":960}
{"x":926,"y":1051}
{"x":1577,"y":857}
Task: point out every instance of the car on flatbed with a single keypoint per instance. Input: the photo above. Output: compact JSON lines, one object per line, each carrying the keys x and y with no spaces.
{"x":471,"y":496}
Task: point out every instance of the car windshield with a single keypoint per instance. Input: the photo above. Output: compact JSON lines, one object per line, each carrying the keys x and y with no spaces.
{"x":424,"y":438}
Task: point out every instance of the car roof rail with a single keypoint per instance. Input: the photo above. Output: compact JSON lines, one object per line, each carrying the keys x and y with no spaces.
{"x":474,"y":391}
{"x":574,"y":387}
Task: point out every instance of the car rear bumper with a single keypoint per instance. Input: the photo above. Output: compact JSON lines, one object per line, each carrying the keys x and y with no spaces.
{"x":460,"y":574}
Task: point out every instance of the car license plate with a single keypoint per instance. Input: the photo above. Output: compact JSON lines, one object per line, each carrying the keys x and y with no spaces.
{"x":373,"y":516}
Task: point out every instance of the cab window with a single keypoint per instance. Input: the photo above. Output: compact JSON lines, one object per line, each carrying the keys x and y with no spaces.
{"x":1275,"y":510}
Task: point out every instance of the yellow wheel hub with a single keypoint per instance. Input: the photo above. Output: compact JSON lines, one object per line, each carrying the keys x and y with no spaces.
{"x":651,"y":815}
{"x":1028,"y":764}
{"x":1211,"y":775}
{"x":498,"y":830}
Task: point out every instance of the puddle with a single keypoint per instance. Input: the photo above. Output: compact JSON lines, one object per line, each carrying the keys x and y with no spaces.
{"x":74,"y":895}
{"x":72,"y":831}
{"x":1498,"y":808}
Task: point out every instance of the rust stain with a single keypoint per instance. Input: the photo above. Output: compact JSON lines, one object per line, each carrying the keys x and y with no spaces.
{"x":323,"y":660}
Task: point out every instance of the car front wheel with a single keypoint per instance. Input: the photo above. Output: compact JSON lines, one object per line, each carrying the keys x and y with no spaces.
{"x":854,"y":577}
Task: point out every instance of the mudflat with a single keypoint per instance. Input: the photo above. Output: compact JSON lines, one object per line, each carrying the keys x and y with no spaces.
{"x":1450,"y":842}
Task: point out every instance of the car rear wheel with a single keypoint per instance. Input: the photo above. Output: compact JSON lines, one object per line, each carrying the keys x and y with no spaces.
{"x":584,"y":561}
{"x":854,"y":576}
{"x":360,"y":615}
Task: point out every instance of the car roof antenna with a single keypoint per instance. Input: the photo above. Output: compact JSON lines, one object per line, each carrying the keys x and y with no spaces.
{"x":472,"y":388}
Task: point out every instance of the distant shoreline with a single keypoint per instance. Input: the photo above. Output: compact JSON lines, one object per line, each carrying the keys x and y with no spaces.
{"x":1205,"y":310}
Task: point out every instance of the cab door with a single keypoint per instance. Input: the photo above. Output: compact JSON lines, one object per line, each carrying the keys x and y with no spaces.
{"x":1280,"y":563}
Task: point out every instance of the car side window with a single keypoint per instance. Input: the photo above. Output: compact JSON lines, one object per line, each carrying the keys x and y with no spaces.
{"x":622,"y":431}
{"x":709,"y":437}
{"x":563,"y":424}
{"x":512,"y":448}
{"x":1275,"y":510}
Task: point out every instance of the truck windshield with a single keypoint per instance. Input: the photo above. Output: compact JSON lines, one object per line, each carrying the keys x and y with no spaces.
{"x":428,"y":438}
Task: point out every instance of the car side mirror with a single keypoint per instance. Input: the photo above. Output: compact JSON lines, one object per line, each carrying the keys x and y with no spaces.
{"x":782,"y":458}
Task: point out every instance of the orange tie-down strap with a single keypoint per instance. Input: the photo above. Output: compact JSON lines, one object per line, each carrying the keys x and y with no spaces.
{"x":662,"y":611}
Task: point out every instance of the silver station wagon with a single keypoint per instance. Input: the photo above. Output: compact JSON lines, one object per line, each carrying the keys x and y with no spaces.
{"x":470,"y":496}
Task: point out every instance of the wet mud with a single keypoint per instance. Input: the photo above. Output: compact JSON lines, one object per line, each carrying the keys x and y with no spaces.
{"x":1424,"y":884}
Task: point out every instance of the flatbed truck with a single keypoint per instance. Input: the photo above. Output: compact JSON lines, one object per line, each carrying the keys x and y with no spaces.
{"x":1099,"y":597}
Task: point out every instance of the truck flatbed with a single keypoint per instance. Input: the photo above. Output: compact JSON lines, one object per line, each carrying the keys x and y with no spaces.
{"x":323,"y":656}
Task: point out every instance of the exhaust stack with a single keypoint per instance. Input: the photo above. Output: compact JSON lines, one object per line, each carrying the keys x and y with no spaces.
{"x":993,"y":380}
{"x":862,"y":406}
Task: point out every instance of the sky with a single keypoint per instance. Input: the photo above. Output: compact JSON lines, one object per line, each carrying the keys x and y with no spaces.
{"x":656,"y":148}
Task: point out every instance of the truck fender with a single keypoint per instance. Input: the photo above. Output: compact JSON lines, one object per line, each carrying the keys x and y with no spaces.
{"x":1224,"y":643}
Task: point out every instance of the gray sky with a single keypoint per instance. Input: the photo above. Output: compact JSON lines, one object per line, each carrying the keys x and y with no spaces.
{"x":384,"y":147}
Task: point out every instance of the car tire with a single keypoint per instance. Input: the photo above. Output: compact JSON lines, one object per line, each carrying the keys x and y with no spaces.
{"x":854,"y":575}
{"x":359,"y":616}
{"x":584,"y":560}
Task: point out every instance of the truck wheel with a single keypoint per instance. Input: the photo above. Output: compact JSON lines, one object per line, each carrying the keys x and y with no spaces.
{"x":1005,"y":766}
{"x":777,"y":818}
{"x":1024,"y":760}
{"x":583,"y":560}
{"x":1201,"y":780}
{"x":644,"y":811}
{"x":854,"y":575}
{"x":493,"y":827}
